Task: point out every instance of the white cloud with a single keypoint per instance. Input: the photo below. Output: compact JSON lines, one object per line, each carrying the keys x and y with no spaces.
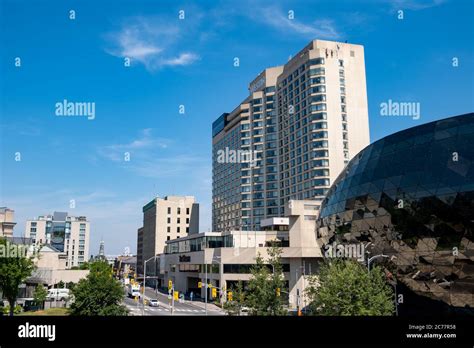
{"x":182,"y":59}
{"x":415,"y":5}
{"x":276,"y":18}
{"x":115,"y":152}
{"x":150,"y":41}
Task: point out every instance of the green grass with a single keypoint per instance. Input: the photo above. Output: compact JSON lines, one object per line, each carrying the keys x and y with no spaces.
{"x":50,"y":311}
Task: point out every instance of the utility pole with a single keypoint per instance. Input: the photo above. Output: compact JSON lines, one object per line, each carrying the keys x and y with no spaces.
{"x":144,"y":282}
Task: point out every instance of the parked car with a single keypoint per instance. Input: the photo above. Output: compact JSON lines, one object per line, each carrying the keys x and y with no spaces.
{"x":153,"y":303}
{"x":58,"y":294}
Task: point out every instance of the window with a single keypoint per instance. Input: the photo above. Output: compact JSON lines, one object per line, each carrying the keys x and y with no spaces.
{"x":168,"y":229}
{"x":316,"y":61}
{"x":178,"y":230}
{"x":187,"y":211}
{"x":169,"y":220}
{"x":168,"y":238}
{"x":178,"y":220}
{"x":187,"y":220}
{"x":179,"y":210}
{"x":169,"y":210}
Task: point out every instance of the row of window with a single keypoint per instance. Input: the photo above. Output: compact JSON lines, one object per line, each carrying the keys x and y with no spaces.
{"x":178,"y":210}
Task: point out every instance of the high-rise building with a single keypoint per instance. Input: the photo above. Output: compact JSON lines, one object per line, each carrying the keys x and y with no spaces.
{"x":291,"y":137}
{"x":7,"y":222}
{"x":165,"y":219}
{"x":69,"y":234}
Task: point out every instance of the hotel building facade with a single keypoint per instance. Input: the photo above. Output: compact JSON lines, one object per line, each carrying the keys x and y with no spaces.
{"x":302,"y":122}
{"x":65,"y":233}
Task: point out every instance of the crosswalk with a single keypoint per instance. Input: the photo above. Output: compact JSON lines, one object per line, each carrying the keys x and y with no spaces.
{"x":138,"y":310}
{"x":176,"y":310}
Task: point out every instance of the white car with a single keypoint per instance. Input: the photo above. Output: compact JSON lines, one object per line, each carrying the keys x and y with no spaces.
{"x":58,"y":294}
{"x":153,"y":303}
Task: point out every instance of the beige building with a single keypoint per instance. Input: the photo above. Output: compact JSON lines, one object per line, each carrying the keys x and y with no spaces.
{"x":165,"y":219}
{"x":51,"y":268}
{"x":68,"y":234}
{"x":229,"y":255}
{"x":7,"y":218}
{"x":303,"y":121}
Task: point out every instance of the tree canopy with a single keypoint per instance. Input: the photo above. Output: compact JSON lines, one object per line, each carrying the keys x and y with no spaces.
{"x":346,"y":288}
{"x":15,"y":268}
{"x":263,"y":293}
{"x":99,"y":293}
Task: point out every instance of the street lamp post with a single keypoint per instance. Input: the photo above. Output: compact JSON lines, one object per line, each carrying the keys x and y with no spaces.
{"x":205,"y":299}
{"x":373,"y":258}
{"x":144,"y":282}
{"x":394,"y":285}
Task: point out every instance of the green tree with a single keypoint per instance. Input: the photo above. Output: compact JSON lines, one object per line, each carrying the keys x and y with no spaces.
{"x":40,"y":295}
{"x":99,"y":293}
{"x":346,"y":288}
{"x":60,"y":285}
{"x":15,"y":268}
{"x":263,"y":295}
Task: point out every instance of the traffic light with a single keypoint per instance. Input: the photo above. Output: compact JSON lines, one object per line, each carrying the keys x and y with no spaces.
{"x":170,"y":284}
{"x":199,"y":285}
{"x":278,"y":292}
{"x":214,"y":292}
{"x":176,"y":295}
{"x":229,"y":296}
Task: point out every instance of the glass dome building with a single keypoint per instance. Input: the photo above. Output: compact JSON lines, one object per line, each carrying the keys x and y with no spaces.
{"x":410,"y":196}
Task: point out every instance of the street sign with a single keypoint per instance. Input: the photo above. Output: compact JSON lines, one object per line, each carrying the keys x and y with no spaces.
{"x":176,"y":295}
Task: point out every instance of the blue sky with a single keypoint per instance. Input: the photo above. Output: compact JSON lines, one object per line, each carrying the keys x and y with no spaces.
{"x":187,"y":62}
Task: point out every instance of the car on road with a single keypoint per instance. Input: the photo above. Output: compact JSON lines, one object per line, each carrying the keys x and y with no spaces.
{"x":153,"y":303}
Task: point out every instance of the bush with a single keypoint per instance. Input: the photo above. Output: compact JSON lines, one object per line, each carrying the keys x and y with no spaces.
{"x":6,"y":310}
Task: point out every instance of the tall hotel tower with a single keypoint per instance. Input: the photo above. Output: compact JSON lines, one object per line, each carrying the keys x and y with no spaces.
{"x":301,"y":124}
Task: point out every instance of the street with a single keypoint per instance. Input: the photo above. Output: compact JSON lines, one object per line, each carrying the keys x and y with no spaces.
{"x":164,"y":308}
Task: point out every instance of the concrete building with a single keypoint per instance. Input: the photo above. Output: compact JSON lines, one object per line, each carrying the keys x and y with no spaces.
{"x":7,"y":218}
{"x":229,"y":255}
{"x":52,"y":268}
{"x":165,"y":219}
{"x":69,"y":234}
{"x":300,"y":125}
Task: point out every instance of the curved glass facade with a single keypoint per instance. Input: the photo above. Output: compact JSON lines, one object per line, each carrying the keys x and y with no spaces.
{"x":411,"y":195}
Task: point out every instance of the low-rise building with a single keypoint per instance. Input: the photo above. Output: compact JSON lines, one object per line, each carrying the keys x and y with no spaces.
{"x":230,"y":255}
